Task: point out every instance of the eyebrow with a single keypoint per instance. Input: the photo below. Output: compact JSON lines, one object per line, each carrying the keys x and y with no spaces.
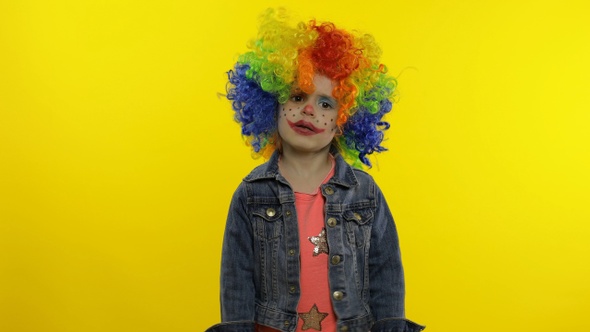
{"x":330,"y":98}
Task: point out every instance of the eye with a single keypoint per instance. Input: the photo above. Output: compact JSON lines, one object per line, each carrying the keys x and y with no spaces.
{"x":297,"y":98}
{"x":326,"y":105}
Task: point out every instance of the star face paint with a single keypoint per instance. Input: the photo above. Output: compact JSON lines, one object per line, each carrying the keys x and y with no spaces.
{"x":307,"y":122}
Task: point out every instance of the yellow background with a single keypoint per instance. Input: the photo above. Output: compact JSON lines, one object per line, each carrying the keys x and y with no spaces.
{"x":118,"y":159}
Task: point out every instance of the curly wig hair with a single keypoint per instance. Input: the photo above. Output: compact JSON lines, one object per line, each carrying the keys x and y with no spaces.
{"x":282,"y":55}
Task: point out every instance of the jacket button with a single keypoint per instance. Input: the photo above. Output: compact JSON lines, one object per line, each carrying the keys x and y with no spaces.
{"x":335,"y":259}
{"x":292,"y":289}
{"x":332,"y":222}
{"x":338,"y":295}
{"x":288,"y":213}
{"x":270,"y":212}
{"x":357,"y":216}
{"x":344,"y":328}
{"x":291,"y":252}
{"x":329,"y":191}
{"x":287,"y":323}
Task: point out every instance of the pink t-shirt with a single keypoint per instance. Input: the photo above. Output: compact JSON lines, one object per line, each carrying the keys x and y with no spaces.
{"x":315,"y":307}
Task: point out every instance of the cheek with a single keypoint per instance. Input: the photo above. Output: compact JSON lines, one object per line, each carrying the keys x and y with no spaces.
{"x":327,"y":120}
{"x":285,"y":113}
{"x":289,"y":111}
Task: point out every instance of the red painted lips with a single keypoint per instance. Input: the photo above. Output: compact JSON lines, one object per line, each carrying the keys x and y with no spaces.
{"x":305,"y":128}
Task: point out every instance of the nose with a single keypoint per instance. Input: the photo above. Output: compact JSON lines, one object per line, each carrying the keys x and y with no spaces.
{"x":308,"y":110}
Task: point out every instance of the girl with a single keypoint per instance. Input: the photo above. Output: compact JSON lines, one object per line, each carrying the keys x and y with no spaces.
{"x":310,"y":243}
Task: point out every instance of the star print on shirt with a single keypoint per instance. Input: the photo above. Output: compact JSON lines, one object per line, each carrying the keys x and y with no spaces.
{"x":312,"y":319}
{"x":321,"y":243}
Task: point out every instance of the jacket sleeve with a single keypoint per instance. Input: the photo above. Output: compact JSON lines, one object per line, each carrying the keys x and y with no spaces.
{"x":396,"y":325}
{"x":386,"y":275}
{"x":237,"y":268}
{"x":232,"y":327}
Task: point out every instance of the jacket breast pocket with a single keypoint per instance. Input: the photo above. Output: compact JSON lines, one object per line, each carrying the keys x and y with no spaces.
{"x":268,"y":221}
{"x":358,"y":224}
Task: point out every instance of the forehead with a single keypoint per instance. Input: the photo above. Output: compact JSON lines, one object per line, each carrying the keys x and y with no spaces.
{"x":322,"y":84}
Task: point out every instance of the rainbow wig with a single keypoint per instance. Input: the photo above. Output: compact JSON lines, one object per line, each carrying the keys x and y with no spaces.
{"x":282,"y":55}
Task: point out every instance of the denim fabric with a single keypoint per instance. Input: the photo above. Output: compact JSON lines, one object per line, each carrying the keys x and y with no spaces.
{"x":232,"y":327}
{"x":260,"y":257}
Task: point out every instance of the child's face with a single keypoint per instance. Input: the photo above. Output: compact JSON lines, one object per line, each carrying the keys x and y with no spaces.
{"x":307,"y":122}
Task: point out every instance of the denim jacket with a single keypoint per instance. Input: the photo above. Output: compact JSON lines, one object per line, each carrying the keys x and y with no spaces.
{"x":260,"y":257}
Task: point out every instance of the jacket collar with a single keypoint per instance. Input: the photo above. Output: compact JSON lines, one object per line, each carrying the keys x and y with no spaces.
{"x":343,"y":172}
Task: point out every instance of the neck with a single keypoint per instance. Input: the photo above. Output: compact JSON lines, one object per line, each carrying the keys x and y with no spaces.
{"x":306,"y":164}
{"x":305,"y":171}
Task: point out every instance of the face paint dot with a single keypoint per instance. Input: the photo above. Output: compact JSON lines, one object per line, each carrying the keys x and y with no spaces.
{"x":331,"y":120}
{"x":318,"y":121}
{"x":293,"y":115}
{"x":325,"y":124}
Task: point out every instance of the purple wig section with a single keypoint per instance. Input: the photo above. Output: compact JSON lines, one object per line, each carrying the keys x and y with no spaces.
{"x":364,"y":131}
{"x":255,"y":108}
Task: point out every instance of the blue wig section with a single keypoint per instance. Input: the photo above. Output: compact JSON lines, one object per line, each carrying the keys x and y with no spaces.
{"x":255,"y":108}
{"x":364,"y":130}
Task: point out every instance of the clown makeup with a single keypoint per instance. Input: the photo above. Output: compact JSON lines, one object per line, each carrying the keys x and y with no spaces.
{"x":307,"y":121}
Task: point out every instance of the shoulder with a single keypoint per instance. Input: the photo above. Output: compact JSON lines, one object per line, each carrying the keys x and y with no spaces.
{"x":362,"y":176}
{"x":366,"y":183}
{"x":244,"y":187}
{"x":268,"y":170}
{"x":351,"y":177}
{"x":259,"y":182}
{"x":257,"y":172}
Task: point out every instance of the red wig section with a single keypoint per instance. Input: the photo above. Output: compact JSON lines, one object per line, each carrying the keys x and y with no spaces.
{"x":334,"y":55}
